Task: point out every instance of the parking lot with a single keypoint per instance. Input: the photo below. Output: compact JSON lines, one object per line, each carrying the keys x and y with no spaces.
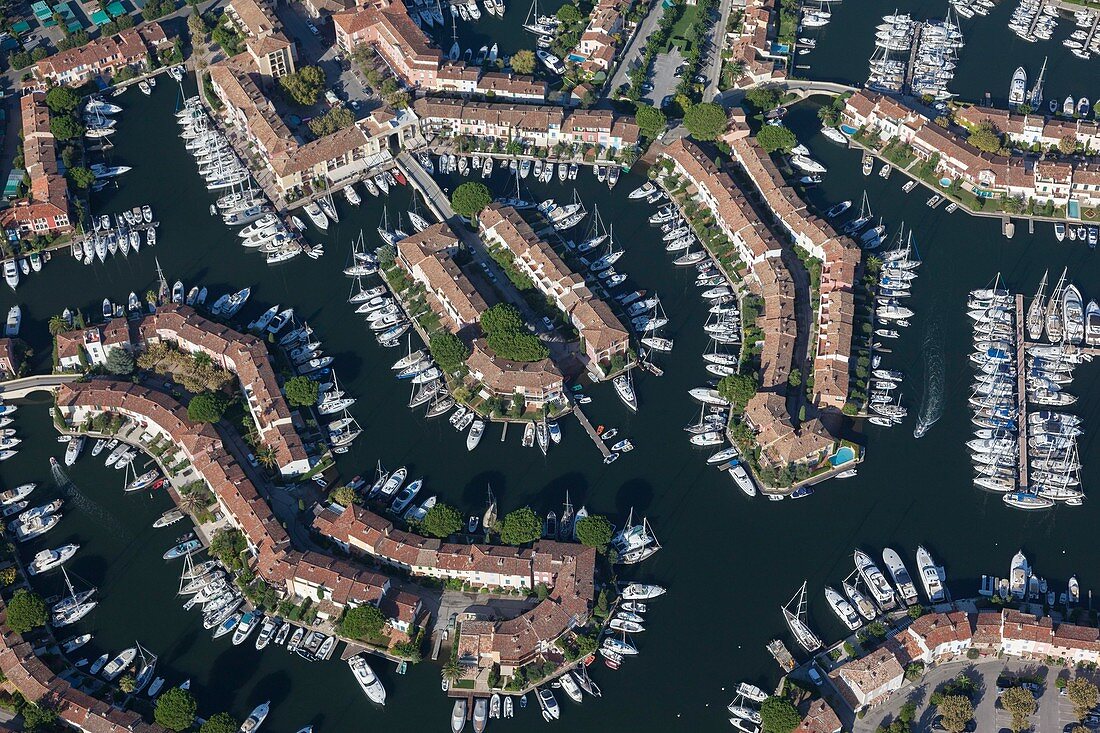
{"x":663,"y":76}
{"x":1054,"y":713}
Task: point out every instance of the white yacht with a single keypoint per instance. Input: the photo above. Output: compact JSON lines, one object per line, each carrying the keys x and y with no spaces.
{"x":843,"y":609}
{"x":876,"y":582}
{"x":930,"y":576}
{"x":367,"y":680}
{"x":900,"y":575}
{"x":1018,"y":576}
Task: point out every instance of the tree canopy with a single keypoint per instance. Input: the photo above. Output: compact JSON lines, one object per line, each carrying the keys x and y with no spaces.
{"x":175,"y":709}
{"x":772,"y":138}
{"x":520,"y":527}
{"x":227,"y":545}
{"x":301,"y":391}
{"x":65,"y":127}
{"x":38,"y":717}
{"x":62,"y":99}
{"x":304,"y":86}
{"x":1020,"y":703}
{"x":335,"y":119}
{"x":705,"y":121}
{"x":26,"y":611}
{"x":449,"y":351}
{"x":738,"y":389}
{"x":220,"y":723}
{"x":1083,"y":694}
{"x":956,"y":711}
{"x":651,"y":121}
{"x":569,"y":14}
{"x":779,"y":715}
{"x":344,"y":496}
{"x":470,"y":198}
{"x":362,"y":622}
{"x":523,"y":61}
{"x":81,"y":177}
{"x":119,"y":361}
{"x":764,"y":98}
{"x":207,"y":407}
{"x":594,"y":530}
{"x":441,"y":521}
{"x":508,"y":337}
{"x":985,"y":137}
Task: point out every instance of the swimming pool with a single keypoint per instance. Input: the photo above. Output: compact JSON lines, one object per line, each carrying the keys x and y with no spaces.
{"x":945,"y":182}
{"x":848,"y":130}
{"x":844,"y":454}
{"x":577,"y":58}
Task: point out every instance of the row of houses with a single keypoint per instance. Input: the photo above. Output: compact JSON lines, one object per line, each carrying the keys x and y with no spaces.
{"x":45,"y":209}
{"x":565,"y":569}
{"x":428,"y":258}
{"x":332,"y":583}
{"x":985,"y":174}
{"x":182,"y":327}
{"x":104,"y":57}
{"x":543,"y":125}
{"x":599,"y":42}
{"x":780,"y":440}
{"x":751,"y":45}
{"x":385,"y":26}
{"x":603,"y":337}
{"x":1033,"y":129}
{"x":935,"y":638}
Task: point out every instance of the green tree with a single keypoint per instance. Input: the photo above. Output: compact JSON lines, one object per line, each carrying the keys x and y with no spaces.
{"x":738,"y":389}
{"x":520,"y":527}
{"x":773,"y":138}
{"x":175,"y":709}
{"x":470,"y":198}
{"x":344,"y":495}
{"x":362,"y":622}
{"x":441,"y":521}
{"x":449,"y":351}
{"x":508,"y":336}
{"x":779,"y":715}
{"x":81,"y":177}
{"x":705,"y":121}
{"x":65,"y":127}
{"x":594,"y":530}
{"x":38,"y":717}
{"x":1083,"y":694}
{"x":119,"y":361}
{"x":127,"y":683}
{"x":956,"y":712}
{"x":207,"y":407}
{"x":62,"y":100}
{"x":569,"y":14}
{"x":335,"y":119}
{"x":304,"y":86}
{"x":228,"y":545}
{"x":764,"y":98}
{"x":986,"y":137}
{"x":220,"y":723}
{"x":651,"y":121}
{"x":26,"y":611}
{"x":523,"y":61}
{"x":1020,"y":703}
{"x":301,"y":391}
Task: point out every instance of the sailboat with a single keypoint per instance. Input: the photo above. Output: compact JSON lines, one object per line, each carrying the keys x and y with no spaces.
{"x":796,"y":621}
{"x":864,"y":218}
{"x":1036,"y":310}
{"x":1054,"y":324}
{"x":73,"y":608}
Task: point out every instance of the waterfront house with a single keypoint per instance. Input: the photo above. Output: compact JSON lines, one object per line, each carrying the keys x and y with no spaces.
{"x":428,"y":258}
{"x":867,"y":680}
{"x":936,"y":637}
{"x":537,"y":384}
{"x":751,"y":44}
{"x":271,"y":52}
{"x":104,"y":57}
{"x":819,"y":718}
{"x":45,"y":209}
{"x":1026,"y":635}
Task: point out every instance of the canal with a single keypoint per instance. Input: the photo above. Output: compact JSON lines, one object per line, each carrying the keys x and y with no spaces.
{"x":728,"y":561}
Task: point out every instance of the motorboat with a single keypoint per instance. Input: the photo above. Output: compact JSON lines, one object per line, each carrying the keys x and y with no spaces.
{"x":368,"y":681}
{"x":642,"y":591}
{"x":119,"y":664}
{"x":876,"y":582}
{"x":256,"y":718}
{"x":900,"y":575}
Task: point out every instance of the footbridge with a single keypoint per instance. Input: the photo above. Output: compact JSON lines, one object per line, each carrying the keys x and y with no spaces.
{"x":16,"y":388}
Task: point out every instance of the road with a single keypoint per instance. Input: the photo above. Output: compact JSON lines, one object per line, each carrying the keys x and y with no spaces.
{"x":713,"y":69}
{"x":633,"y":55}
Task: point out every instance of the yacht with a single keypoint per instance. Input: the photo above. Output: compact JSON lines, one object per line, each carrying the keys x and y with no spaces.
{"x":256,"y":718}
{"x":876,"y":582}
{"x":1018,"y":88}
{"x":741,"y":478}
{"x":861,"y":602}
{"x":367,"y":680}
{"x":317,"y":216}
{"x":843,"y":609}
{"x":930,"y":576}
{"x":120,"y":663}
{"x":1018,"y":575}
{"x":624,"y":388}
{"x":50,"y":559}
{"x":900,"y":575}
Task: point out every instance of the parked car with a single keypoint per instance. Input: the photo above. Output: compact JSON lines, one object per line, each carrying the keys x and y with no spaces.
{"x":548,"y":323}
{"x":815,"y":677}
{"x":312,"y":28}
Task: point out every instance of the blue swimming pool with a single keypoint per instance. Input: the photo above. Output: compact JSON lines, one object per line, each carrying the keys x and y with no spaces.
{"x":577,"y":58}
{"x":844,"y":455}
{"x":848,"y":130}
{"x":1073,"y":209}
{"x":945,"y":182}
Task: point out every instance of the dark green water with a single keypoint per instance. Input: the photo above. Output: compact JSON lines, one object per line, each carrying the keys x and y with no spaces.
{"x":729,"y":562}
{"x":986,"y":63}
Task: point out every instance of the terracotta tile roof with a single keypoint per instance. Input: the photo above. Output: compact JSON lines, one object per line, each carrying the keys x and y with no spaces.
{"x":505,"y":377}
{"x":819,"y":718}
{"x":1025,"y":627}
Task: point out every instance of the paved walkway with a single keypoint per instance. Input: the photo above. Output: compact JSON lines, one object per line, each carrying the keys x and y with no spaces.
{"x":16,"y":388}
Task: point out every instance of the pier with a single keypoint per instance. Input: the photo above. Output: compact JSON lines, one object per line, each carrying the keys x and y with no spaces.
{"x":1021,"y":390}
{"x":583,"y":420}
{"x":917,"y":28}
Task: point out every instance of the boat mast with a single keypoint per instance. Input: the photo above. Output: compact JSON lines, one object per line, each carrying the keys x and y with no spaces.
{"x":1054,"y":315}
{"x":163,"y":288}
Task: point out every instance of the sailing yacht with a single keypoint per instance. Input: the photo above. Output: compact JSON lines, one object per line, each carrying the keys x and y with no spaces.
{"x":796,"y":621}
{"x":1036,"y":310}
{"x":1054,"y":324}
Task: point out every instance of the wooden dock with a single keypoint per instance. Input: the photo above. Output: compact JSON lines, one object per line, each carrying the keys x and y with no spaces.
{"x":583,"y":420}
{"x":1021,"y":391}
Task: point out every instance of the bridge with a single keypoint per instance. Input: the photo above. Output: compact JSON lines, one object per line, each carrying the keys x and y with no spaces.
{"x":16,"y":388}
{"x":804,"y":87}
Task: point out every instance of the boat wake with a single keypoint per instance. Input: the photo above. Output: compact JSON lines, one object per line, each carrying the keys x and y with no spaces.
{"x":77,"y":498}
{"x":931,"y":403}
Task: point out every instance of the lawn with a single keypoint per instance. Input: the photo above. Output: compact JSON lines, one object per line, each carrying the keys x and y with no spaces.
{"x":682,"y":25}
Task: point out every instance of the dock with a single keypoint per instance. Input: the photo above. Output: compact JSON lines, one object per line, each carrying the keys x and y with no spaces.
{"x":917,"y":28}
{"x":583,"y":420}
{"x":1021,"y":390}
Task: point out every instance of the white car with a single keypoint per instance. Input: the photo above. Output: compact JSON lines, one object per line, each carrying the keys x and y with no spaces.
{"x":312,"y":28}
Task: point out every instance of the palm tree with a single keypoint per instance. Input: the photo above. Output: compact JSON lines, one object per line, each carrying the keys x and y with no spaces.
{"x":151,"y":297}
{"x":57,"y":325}
{"x":192,"y":503}
{"x":452,"y":671}
{"x":874,"y":263}
{"x":266,"y":455}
